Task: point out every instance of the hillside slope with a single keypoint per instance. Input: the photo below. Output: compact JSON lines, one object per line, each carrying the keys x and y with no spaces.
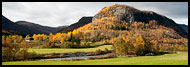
{"x":127,"y":22}
{"x":24,"y":27}
{"x":130,"y":14}
{"x":185,"y":27}
{"x":38,"y":29}
{"x":9,"y":27}
{"x":83,"y":21}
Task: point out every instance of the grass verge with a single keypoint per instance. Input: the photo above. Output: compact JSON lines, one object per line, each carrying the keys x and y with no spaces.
{"x":181,"y":58}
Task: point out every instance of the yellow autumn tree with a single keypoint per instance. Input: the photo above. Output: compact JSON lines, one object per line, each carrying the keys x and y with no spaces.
{"x":34,"y":36}
{"x":62,"y":41}
{"x":27,"y":35}
{"x":20,"y":39}
{"x":120,"y":47}
{"x":3,"y":38}
{"x":139,"y":45}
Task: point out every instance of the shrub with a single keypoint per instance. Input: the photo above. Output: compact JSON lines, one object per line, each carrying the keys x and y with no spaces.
{"x":98,"y":52}
{"x":14,"y":52}
{"x":120,"y":47}
{"x":106,"y":50}
{"x":9,"y":52}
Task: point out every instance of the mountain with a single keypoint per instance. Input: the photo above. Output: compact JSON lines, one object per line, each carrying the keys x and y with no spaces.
{"x":9,"y":27}
{"x":38,"y":29}
{"x":185,"y":27}
{"x":130,"y":14}
{"x":60,"y":27}
{"x":24,"y":27}
{"x":83,"y":21}
{"x":122,"y":21}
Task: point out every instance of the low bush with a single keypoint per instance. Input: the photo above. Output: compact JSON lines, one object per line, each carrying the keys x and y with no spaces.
{"x":16,"y":52}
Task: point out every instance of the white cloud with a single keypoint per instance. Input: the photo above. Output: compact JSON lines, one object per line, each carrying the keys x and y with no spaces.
{"x":65,"y":13}
{"x":181,"y":20}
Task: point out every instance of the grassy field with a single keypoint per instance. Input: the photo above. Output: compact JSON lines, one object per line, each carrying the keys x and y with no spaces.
{"x":65,"y":50}
{"x":181,"y":58}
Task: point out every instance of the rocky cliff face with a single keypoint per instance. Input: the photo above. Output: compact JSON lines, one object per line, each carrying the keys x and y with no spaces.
{"x":130,"y":14}
{"x":83,"y":21}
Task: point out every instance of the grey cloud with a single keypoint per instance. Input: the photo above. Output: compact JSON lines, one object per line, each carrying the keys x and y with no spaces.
{"x":16,"y":6}
{"x":66,"y":13}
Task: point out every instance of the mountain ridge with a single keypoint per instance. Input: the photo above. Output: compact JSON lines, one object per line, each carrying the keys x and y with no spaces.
{"x":12,"y":28}
{"x":24,"y":27}
{"x":185,"y":27}
{"x":37,"y":28}
{"x":83,"y":21}
{"x":130,"y":14}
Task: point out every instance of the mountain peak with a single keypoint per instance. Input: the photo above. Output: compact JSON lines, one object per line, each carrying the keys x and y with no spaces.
{"x":130,"y":14}
{"x":126,"y":13}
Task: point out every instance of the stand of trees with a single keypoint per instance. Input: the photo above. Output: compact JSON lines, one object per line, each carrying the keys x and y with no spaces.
{"x":15,"y":48}
{"x":127,"y":38}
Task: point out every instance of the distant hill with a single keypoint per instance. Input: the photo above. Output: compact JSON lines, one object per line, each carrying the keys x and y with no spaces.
{"x":24,"y":27}
{"x":9,"y":27}
{"x":83,"y":21}
{"x":60,"y":27}
{"x":38,"y":29}
{"x":185,"y":27}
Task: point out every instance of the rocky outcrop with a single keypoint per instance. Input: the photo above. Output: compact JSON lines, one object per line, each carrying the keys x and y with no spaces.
{"x":130,"y":14}
{"x":83,"y":21}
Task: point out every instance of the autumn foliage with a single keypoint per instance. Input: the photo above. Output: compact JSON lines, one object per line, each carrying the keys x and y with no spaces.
{"x":127,"y":38}
{"x":15,"y":48}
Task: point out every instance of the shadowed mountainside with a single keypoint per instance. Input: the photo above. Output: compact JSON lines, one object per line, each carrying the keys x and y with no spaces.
{"x":9,"y":27}
{"x":83,"y":21}
{"x":38,"y":29}
{"x":24,"y":27}
{"x":185,"y":27}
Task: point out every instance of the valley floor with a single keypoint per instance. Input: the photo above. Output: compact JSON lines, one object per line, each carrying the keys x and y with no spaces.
{"x":181,"y":58}
{"x":67,"y":50}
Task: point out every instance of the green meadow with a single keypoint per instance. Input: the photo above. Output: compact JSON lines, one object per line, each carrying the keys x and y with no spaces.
{"x":67,"y":50}
{"x":181,"y":58}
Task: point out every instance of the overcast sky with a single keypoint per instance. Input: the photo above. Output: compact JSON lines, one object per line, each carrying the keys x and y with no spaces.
{"x":65,"y":13}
